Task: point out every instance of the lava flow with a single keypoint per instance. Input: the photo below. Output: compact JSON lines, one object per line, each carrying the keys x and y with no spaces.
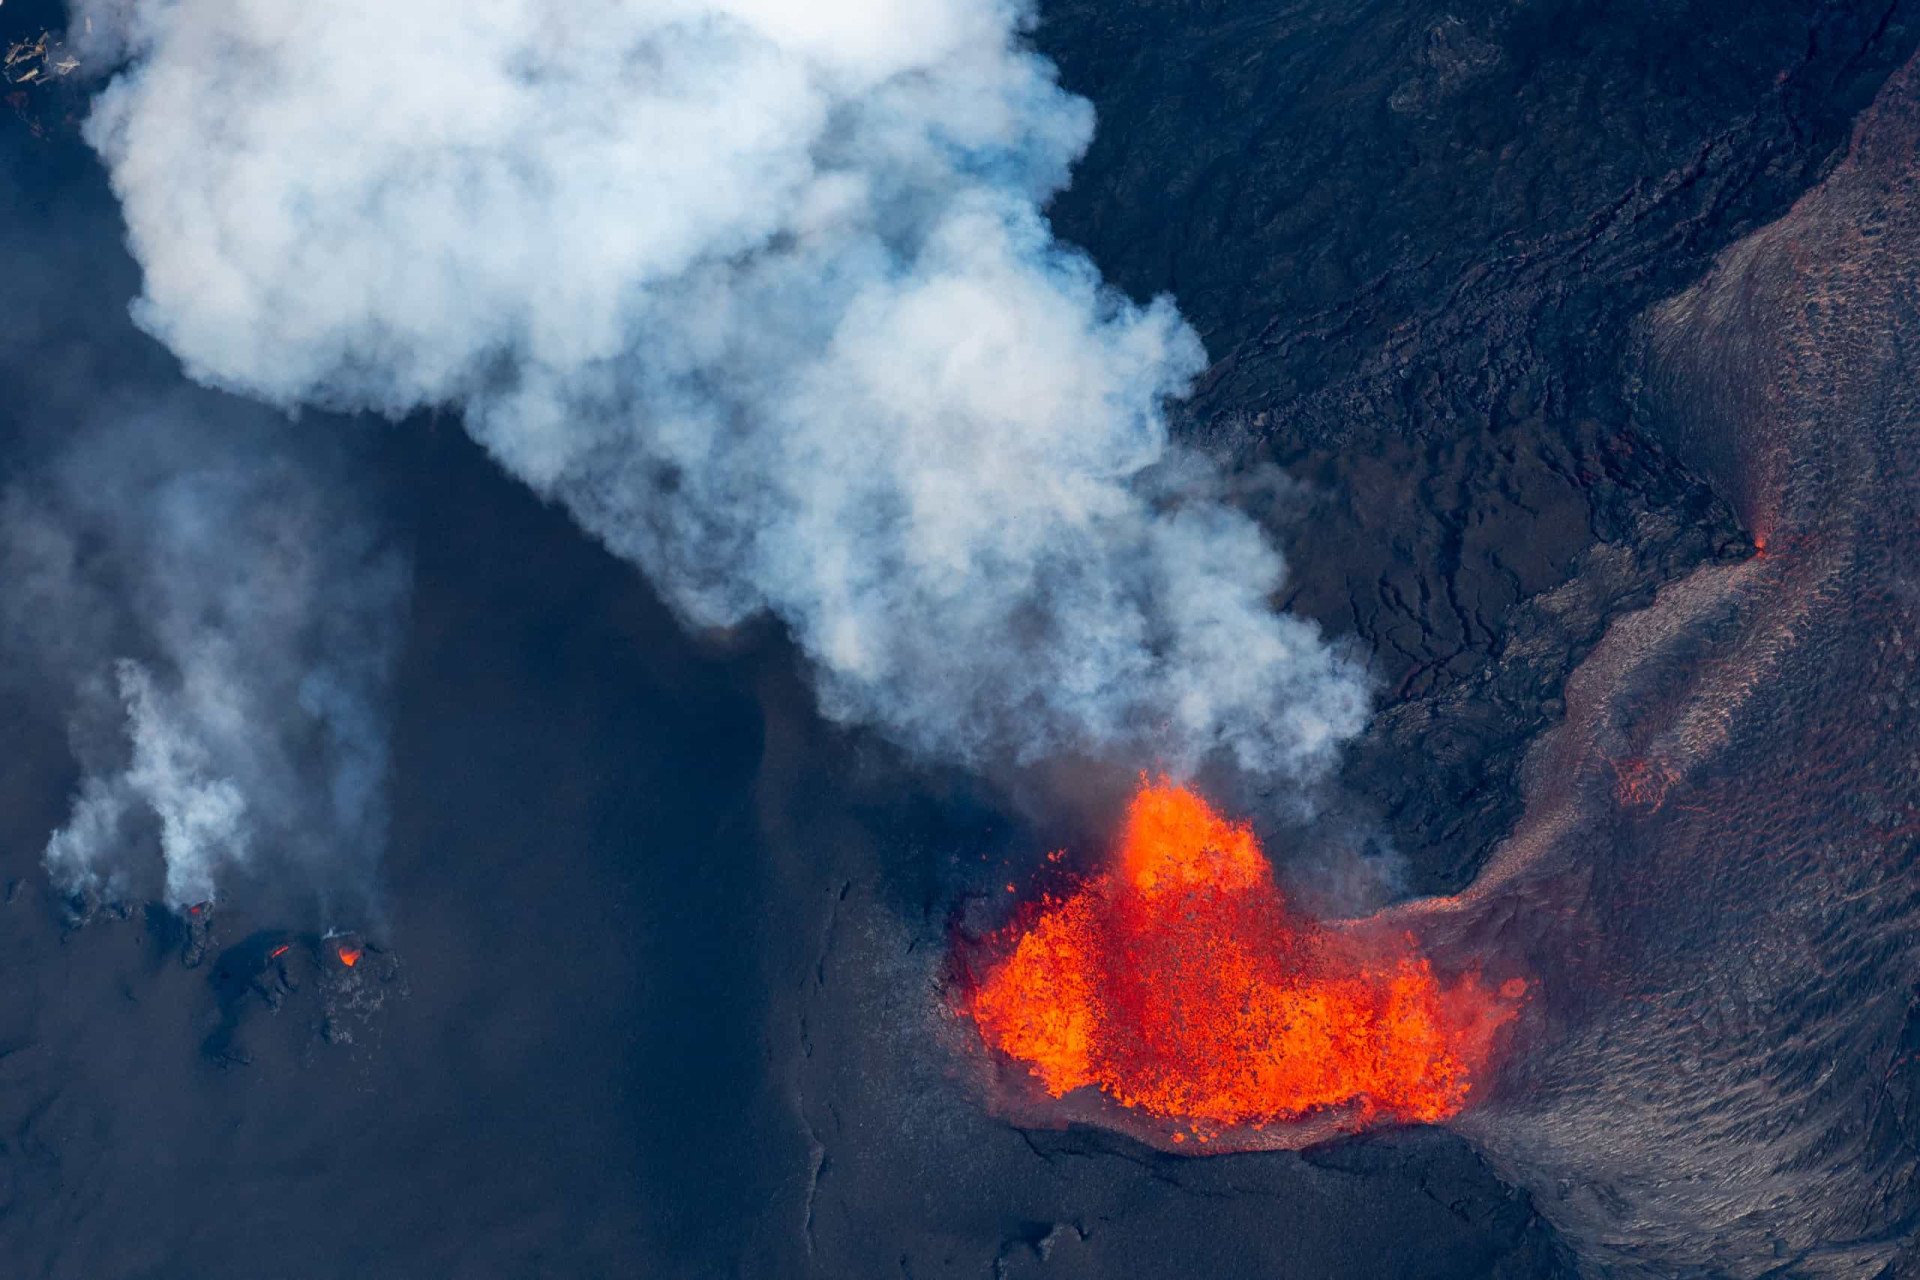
{"x":1180,"y":983}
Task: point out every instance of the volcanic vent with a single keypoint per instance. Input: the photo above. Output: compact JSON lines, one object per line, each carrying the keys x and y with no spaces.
{"x":1182,"y":985}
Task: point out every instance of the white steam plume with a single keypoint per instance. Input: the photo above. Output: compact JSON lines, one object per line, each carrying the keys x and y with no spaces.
{"x":227,"y":621}
{"x":761,"y":290}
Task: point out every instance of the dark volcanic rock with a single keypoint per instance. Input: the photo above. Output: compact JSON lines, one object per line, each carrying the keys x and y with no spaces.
{"x":1405,"y":213}
{"x":197,"y":925}
{"x":1413,"y":236}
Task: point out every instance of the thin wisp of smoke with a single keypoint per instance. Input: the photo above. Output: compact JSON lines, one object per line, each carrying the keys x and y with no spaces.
{"x":765,"y":295}
{"x":221,"y":618}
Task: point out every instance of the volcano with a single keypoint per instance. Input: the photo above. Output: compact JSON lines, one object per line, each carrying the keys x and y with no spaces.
{"x":1584,"y":339}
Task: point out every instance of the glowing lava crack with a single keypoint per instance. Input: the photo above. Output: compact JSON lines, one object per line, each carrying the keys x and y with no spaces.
{"x":1181,"y":984}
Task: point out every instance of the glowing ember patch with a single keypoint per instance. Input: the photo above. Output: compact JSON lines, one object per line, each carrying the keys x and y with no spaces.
{"x":349,"y":956}
{"x":278,"y":951}
{"x":1182,"y":984}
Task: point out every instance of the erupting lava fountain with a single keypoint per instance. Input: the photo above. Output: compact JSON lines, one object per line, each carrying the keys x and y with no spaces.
{"x":1178,"y":994}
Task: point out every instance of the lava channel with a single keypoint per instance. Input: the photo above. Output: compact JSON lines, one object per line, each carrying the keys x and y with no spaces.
{"x":1180,"y":984}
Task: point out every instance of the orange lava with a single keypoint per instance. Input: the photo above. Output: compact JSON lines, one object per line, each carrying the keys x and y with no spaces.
{"x":1181,"y":982}
{"x":349,"y":956}
{"x":279,"y":951}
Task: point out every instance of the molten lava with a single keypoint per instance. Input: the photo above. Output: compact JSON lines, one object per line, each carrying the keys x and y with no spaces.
{"x":1181,"y":983}
{"x":349,"y":956}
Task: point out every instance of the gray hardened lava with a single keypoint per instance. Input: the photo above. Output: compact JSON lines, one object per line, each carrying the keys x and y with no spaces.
{"x":1722,"y":837}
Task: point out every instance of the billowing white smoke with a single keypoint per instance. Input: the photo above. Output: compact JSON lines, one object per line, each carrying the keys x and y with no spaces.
{"x":761,"y":290}
{"x":229,"y":621}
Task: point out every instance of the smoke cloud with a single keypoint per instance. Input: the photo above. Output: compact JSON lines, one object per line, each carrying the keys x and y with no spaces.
{"x":221,"y":618}
{"x":764,"y":294}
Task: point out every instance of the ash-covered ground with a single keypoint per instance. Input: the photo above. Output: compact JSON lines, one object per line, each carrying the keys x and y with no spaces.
{"x":655,"y":988}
